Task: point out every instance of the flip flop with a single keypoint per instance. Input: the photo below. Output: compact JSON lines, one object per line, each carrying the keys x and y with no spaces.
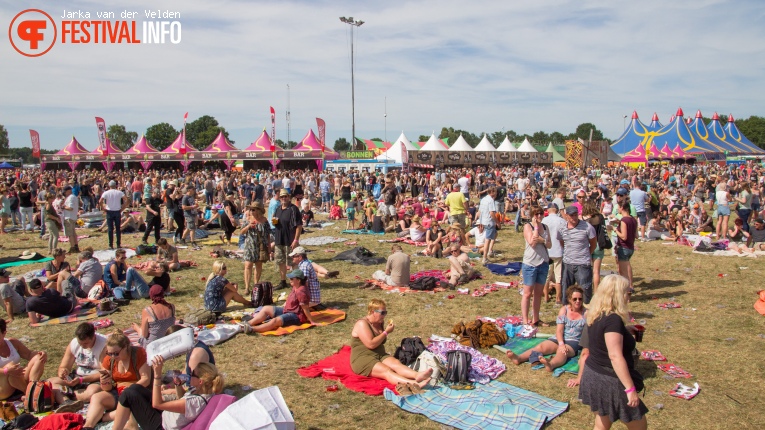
{"x":539,"y":323}
{"x":403,"y":389}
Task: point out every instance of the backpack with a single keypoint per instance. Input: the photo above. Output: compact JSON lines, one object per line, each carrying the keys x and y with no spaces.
{"x":428,"y":360}
{"x":457,"y":367}
{"x":410,"y":349}
{"x":262,"y":294}
{"x":39,"y":397}
{"x":146,"y":249}
{"x":21,"y":422}
{"x":426,"y":283}
{"x":604,"y":242}
{"x":200,"y":317}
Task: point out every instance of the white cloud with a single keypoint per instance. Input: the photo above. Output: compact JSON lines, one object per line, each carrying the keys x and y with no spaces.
{"x":479,"y":66}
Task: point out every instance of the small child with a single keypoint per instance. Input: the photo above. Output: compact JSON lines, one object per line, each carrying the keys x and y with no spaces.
{"x":350,"y":210}
{"x":334,"y":211}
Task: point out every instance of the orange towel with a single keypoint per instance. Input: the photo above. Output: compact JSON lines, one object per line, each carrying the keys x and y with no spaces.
{"x":321,"y":318}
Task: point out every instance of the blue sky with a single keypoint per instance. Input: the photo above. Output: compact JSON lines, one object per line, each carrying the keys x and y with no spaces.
{"x":478,"y":66}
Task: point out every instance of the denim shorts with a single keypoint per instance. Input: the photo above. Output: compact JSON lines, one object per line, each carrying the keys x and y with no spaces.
{"x":642,"y":218}
{"x":533,"y":275}
{"x":723,"y":210}
{"x":572,"y":343}
{"x":491,"y":232}
{"x":325,"y":198}
{"x":288,"y":318}
{"x":598,"y":254}
{"x":624,"y":254}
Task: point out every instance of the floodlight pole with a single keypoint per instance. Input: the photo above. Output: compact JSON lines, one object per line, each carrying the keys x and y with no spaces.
{"x":349,"y":20}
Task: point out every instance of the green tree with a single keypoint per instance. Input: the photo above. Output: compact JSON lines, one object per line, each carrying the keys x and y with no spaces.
{"x":120,"y":137}
{"x":557,"y":137}
{"x":4,"y":143}
{"x":205,"y":138}
{"x":423,"y":138}
{"x":342,"y":144}
{"x":583,"y":132}
{"x":497,"y":137}
{"x":754,"y":129}
{"x":203,"y":130}
{"x":540,"y":137}
{"x":161,"y":135}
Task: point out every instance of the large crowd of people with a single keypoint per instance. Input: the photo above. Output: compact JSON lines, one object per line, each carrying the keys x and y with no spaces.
{"x":566,"y":221}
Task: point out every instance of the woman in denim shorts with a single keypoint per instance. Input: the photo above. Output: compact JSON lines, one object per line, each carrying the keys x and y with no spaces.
{"x":535,"y":265}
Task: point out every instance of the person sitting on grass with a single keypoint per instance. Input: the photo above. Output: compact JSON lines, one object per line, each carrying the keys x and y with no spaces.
{"x":89,"y":271}
{"x":85,"y":352}
{"x":168,"y":254}
{"x":460,"y":271}
{"x":136,"y":287}
{"x":296,"y":310}
{"x":13,"y":377}
{"x":434,"y":239}
{"x":219,"y":291}
{"x":565,"y":344}
{"x":48,"y":302}
{"x":115,"y":271}
{"x":54,"y":267}
{"x":199,"y":354}
{"x":155,"y":318}
{"x":13,"y":294}
{"x":368,"y":355}
{"x":150,"y":409}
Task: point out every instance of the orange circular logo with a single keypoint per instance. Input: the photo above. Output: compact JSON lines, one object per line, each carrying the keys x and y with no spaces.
{"x":32,"y":32}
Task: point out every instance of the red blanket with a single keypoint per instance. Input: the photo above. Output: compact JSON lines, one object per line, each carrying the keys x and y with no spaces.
{"x":338,"y":367}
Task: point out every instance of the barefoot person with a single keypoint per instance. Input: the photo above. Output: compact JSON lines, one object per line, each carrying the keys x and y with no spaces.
{"x":14,"y":377}
{"x":368,"y":356}
{"x":296,"y":310}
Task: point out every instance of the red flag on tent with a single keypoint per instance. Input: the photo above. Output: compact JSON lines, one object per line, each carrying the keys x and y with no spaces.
{"x":273,"y":129}
{"x":183,"y":138}
{"x":35,"y":143}
{"x":101,"y":124}
{"x":322,"y":131}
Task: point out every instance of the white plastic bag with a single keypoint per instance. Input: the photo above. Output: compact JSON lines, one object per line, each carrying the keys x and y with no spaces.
{"x":219,"y":334}
{"x":263,"y":409}
{"x":171,"y":346}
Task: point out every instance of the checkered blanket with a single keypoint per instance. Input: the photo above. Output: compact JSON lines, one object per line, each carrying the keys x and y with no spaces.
{"x":492,"y":406}
{"x":520,"y":345}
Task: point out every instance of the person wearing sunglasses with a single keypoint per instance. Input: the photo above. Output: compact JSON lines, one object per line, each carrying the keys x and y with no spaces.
{"x":296,"y":310}
{"x":123,"y":366}
{"x":368,"y":356}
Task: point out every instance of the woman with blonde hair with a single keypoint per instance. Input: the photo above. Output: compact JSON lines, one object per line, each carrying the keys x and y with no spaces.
{"x":610,"y":383}
{"x":219,"y":291}
{"x":368,"y":356}
{"x":150,"y":409}
{"x":257,"y":244}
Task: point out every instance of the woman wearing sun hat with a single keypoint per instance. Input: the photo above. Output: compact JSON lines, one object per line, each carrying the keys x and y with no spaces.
{"x":257,"y":244}
{"x":296,"y":310}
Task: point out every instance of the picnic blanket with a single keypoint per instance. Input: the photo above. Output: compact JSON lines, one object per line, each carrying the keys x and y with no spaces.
{"x":730,"y":253}
{"x":337,"y":367}
{"x":322,"y":318}
{"x":519,"y":345}
{"x":78,"y":315}
{"x":494,"y":406}
{"x":65,"y":239}
{"x":320,"y":240}
{"x":198,"y":234}
{"x":362,"y":232}
{"x":511,"y":268}
{"x":394,"y":289}
{"x":217,"y":241}
{"x":23,"y":262}
{"x":107,"y":255}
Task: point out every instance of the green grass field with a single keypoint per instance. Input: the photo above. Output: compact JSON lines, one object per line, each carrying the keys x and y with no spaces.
{"x":716,"y":335}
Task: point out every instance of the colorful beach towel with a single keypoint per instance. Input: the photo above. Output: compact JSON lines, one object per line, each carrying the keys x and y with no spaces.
{"x":24,"y":262}
{"x":362,"y":232}
{"x":213,"y":241}
{"x":494,"y":406}
{"x":511,"y":268}
{"x":65,"y":239}
{"x":394,"y":289}
{"x":337,"y":367}
{"x":322,"y":318}
{"x":78,"y":315}
{"x":520,"y":345}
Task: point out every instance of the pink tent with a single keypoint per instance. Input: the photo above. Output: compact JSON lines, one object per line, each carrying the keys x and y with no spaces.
{"x":311,"y":143}
{"x":101,"y":153}
{"x":678,"y":153}
{"x":636,"y":155}
{"x":73,"y":148}
{"x":653,"y":152}
{"x":665,"y":152}
{"x":221,"y":145}
{"x":142,"y":146}
{"x":175,"y":148}
{"x":263,"y":143}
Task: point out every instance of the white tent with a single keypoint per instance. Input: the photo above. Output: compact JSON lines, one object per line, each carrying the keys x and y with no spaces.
{"x":433,"y":144}
{"x":402,"y":139}
{"x":485,"y":145}
{"x":461,"y":145}
{"x":393,"y":154}
{"x":507,"y":146}
{"x":526,"y":146}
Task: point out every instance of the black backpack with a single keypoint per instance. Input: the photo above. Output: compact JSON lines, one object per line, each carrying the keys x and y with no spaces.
{"x":457,"y":367}
{"x":410,"y":349}
{"x":262,"y":294}
{"x":426,"y":283}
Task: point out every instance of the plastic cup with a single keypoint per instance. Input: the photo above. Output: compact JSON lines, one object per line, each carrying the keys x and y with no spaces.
{"x":639,"y":330}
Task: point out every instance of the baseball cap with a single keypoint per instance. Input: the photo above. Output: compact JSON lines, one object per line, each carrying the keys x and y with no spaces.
{"x":622,"y":192}
{"x":624,"y":182}
{"x":297,"y":251}
{"x":68,"y":188}
{"x":572,"y":210}
{"x":297,"y":273}
{"x":759,"y":221}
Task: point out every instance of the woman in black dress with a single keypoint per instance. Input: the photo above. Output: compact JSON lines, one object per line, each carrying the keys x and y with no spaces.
{"x":228,"y":218}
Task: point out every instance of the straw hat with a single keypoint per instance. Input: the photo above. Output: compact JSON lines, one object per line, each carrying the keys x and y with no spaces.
{"x":257,"y":206}
{"x":456,"y":225}
{"x":27,"y":255}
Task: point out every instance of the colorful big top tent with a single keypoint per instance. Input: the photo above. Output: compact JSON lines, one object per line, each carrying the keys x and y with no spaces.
{"x":311,"y":144}
{"x":635,"y":134}
{"x":665,"y":153}
{"x":636,"y":155}
{"x":485,"y":145}
{"x":677,"y":132}
{"x":434,"y":144}
{"x":461,"y":145}
{"x":700,"y":131}
{"x":526,"y":146}
{"x":376,"y":146}
{"x":734,"y":135}
{"x":507,"y":146}
{"x":111,"y":150}
{"x":655,"y":125}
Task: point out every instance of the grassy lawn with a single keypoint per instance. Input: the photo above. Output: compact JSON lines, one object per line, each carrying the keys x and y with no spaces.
{"x":716,"y":335}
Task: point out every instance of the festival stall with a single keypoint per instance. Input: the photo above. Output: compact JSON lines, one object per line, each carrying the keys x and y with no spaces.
{"x":220,"y":150}
{"x":71,"y":154}
{"x":178,"y":151}
{"x":261,"y":154}
{"x":306,"y":153}
{"x":141,"y":152}
{"x":107,"y":155}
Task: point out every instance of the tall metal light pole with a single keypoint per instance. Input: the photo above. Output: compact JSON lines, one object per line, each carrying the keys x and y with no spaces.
{"x":385,"y":115}
{"x":349,"y":20}
{"x":288,"y":117}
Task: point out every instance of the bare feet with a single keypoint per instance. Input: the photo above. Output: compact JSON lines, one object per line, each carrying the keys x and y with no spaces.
{"x":546,"y":363}
{"x":514,"y":358}
{"x":424,"y":376}
{"x":423,"y":384}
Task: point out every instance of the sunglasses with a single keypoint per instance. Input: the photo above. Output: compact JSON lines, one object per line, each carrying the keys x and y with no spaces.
{"x":114,"y":354}
{"x":576,"y":299}
{"x":383,"y":313}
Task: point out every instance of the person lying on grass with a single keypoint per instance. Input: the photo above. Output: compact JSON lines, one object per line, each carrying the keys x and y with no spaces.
{"x":296,"y":310}
{"x":14,"y":377}
{"x":368,"y":356}
{"x":565,"y":343}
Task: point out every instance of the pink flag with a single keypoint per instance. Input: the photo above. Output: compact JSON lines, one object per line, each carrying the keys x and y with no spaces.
{"x":273,"y":129}
{"x":183,"y":138}
{"x":322,"y":131}
{"x":404,"y":155}
{"x":35,"y":143}
{"x":101,"y":124}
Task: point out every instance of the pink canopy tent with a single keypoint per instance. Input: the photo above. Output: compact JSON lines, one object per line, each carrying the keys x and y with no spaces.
{"x":636,"y":155}
{"x":175,"y":148}
{"x":101,"y":153}
{"x":311,"y":144}
{"x":73,"y":148}
{"x":262,"y":145}
{"x":678,"y":153}
{"x":142,"y":147}
{"x":222,"y":147}
{"x":653,"y":152}
{"x":665,"y":152}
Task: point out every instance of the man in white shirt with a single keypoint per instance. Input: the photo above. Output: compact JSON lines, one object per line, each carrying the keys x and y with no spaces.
{"x":71,"y":210}
{"x":113,"y":202}
{"x":554,"y":222}
{"x":480,"y":237}
{"x":464,"y":183}
{"x":487,"y":210}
